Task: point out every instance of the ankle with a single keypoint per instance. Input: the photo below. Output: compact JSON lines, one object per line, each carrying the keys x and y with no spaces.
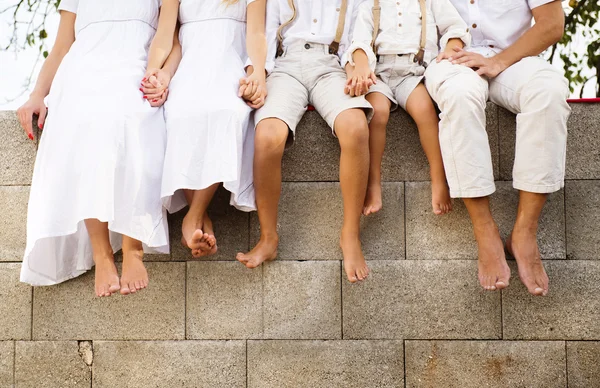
{"x":269,"y":237}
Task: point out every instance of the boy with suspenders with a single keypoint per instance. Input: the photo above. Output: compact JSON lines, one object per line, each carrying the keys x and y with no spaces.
{"x":305,"y":41}
{"x":397,"y":40}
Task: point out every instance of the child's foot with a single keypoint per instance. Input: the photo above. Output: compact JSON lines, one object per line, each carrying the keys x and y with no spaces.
{"x":265,"y":250}
{"x":191,"y":231}
{"x":522,"y":245}
{"x":494,"y":273}
{"x":354,"y":261}
{"x":204,"y":244}
{"x":373,"y":202}
{"x":134,"y":276}
{"x":440,"y":198}
{"x":107,"y":277}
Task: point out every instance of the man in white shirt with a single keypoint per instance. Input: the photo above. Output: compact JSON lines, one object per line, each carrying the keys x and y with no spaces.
{"x":502,"y":65}
{"x":311,"y":36}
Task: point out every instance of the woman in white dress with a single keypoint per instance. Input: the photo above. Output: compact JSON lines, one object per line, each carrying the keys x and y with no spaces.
{"x":97,"y":177}
{"x":210,"y":134}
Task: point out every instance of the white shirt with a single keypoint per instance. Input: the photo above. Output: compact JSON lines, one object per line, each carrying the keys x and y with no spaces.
{"x":400,"y":28}
{"x":496,"y":24}
{"x":316,"y":22}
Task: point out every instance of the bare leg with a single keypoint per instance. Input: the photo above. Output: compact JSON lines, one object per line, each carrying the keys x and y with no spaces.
{"x":377,"y":127}
{"x":269,"y":144}
{"x":420,"y":106}
{"x":200,"y":242}
{"x":107,"y":277}
{"x":134,"y":276}
{"x":352,"y":131}
{"x":522,"y":243}
{"x":494,"y":273}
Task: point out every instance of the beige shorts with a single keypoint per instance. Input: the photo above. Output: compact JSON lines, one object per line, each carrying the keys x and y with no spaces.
{"x":401,"y":74}
{"x":307,"y":74}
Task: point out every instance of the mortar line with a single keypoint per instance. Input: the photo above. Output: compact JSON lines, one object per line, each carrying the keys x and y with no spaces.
{"x":341,"y":299}
{"x":246,"y":363}
{"x":566,"y":364}
{"x":14,"y":364}
{"x":185,"y":306}
{"x":404,"y":363}
{"x":565,"y":218}
{"x":31,"y":325}
{"x":501,"y":315}
{"x":404,"y":211}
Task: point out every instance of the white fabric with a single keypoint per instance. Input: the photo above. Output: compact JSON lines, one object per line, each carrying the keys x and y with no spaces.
{"x":101,"y":153}
{"x":316,"y":22}
{"x":90,"y":12}
{"x":534,"y":90}
{"x":400,"y":28}
{"x":210,"y":129}
{"x":496,"y":24}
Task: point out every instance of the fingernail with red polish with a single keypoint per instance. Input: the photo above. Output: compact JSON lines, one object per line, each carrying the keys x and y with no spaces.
{"x":41,"y":126}
{"x":144,"y":79}
{"x":141,"y":90}
{"x":30,"y":136}
{"x":145,"y":98}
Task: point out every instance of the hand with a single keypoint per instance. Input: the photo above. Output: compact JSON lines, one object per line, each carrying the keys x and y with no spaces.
{"x":483,"y":66}
{"x":446,"y":54}
{"x":359,"y":80}
{"x":160,"y":100}
{"x":253,"y":89}
{"x":154,"y":84}
{"x":35,"y":105}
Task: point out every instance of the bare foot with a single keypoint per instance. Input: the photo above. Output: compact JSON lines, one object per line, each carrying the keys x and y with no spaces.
{"x":265,"y":250}
{"x":134,"y":276}
{"x":373,"y":202}
{"x":440,"y":198}
{"x":494,"y":273}
{"x":204,"y":244}
{"x":107,"y":277}
{"x":522,"y":245}
{"x":354,"y":260}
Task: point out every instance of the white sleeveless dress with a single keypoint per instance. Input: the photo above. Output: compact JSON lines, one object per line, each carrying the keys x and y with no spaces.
{"x":102,"y":150}
{"x":210,"y":133}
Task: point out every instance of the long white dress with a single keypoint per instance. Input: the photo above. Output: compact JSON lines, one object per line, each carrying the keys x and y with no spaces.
{"x":102,"y":150}
{"x":210,"y":133}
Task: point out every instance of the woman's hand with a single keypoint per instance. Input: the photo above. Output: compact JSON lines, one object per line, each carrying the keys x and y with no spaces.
{"x":154,"y":86}
{"x":253,"y":89}
{"x":35,"y":105}
{"x":359,"y":80}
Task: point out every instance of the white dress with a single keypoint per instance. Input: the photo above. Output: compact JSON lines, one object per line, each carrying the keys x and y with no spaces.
{"x":102,"y":149}
{"x":210,"y":129}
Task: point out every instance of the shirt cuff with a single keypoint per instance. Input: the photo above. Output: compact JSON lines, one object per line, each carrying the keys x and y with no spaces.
{"x":366,"y":48}
{"x":269,"y":65}
{"x":536,"y":3}
{"x":457,"y":33}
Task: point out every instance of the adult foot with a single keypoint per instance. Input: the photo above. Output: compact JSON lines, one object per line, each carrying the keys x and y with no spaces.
{"x":204,"y":244}
{"x":134,"y":276}
{"x":440,"y":198}
{"x":354,"y":261}
{"x":373,"y":202}
{"x":107,"y":277}
{"x":494,"y":272}
{"x":265,"y":250}
{"x":522,"y":245}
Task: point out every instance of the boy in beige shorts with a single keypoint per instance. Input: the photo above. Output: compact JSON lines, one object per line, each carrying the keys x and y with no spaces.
{"x":307,"y":37}
{"x":396,"y":41}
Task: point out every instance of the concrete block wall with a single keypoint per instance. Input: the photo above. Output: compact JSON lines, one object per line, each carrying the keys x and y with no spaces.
{"x":421,"y":319}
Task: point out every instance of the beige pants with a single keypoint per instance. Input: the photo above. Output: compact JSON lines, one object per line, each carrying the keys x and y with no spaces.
{"x":531,"y":88}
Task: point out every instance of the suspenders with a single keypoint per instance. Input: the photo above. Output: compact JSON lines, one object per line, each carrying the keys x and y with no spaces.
{"x":377,"y":20}
{"x":333,"y":47}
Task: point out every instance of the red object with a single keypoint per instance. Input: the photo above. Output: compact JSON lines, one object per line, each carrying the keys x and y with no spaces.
{"x":584,"y":100}
{"x":145,"y":98}
{"x":41,"y":126}
{"x":310,"y":107}
{"x":30,"y":136}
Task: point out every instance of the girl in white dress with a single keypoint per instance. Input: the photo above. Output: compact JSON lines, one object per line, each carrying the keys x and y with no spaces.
{"x":210,"y":134}
{"x":96,"y":183}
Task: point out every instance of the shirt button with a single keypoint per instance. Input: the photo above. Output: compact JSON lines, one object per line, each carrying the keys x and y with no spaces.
{"x":399,"y":13}
{"x":307,"y":46}
{"x":337,"y":9}
{"x":472,"y":1}
{"x":474,"y":25}
{"x":314,"y":20}
{"x":492,"y":46}
{"x":399,"y":24}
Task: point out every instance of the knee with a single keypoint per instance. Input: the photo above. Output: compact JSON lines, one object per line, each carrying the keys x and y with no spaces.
{"x":270,"y":137}
{"x":381,"y":114}
{"x":463,"y":92}
{"x":548,"y":90}
{"x":352,"y":129}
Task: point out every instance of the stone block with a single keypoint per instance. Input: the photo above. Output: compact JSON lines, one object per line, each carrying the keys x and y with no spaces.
{"x":15,"y":304}
{"x":13,"y":224}
{"x":224,"y":301}
{"x":7,"y":363}
{"x":571,"y":310}
{"x":17,"y":152}
{"x":301,"y":300}
{"x":583,"y":360}
{"x":42,"y":364}
{"x":71,"y":310}
{"x":475,"y":364}
{"x":421,"y":299}
{"x":583,"y":219}
{"x":451,"y":236}
{"x":310,"y":221}
{"x":169,"y":364}
{"x":231,"y":230}
{"x":325,"y":364}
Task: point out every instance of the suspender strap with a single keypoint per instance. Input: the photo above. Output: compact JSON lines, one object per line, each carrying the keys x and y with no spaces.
{"x":421,"y":54}
{"x":376,"y":22}
{"x":284,"y":25}
{"x":335,"y":45}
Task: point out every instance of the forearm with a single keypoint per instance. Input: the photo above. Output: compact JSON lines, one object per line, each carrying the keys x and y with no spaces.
{"x":454,"y":43}
{"x":160,"y":49}
{"x":257,"y":51}
{"x":47,"y":73}
{"x":174,"y":58}
{"x":360,"y":58}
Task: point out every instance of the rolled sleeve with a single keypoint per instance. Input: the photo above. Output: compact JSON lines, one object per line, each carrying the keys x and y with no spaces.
{"x":271,"y":25}
{"x":362,"y":35}
{"x":449,"y":23}
{"x":536,"y":3}
{"x":68,"y":5}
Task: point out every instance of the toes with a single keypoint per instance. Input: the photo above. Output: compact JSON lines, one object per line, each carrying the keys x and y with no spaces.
{"x":138,"y":285}
{"x":125,"y":289}
{"x":437,"y":210}
{"x":132,"y":287}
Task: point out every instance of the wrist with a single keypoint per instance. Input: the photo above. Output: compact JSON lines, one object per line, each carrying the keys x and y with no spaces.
{"x":37,"y":94}
{"x":501,"y":62}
